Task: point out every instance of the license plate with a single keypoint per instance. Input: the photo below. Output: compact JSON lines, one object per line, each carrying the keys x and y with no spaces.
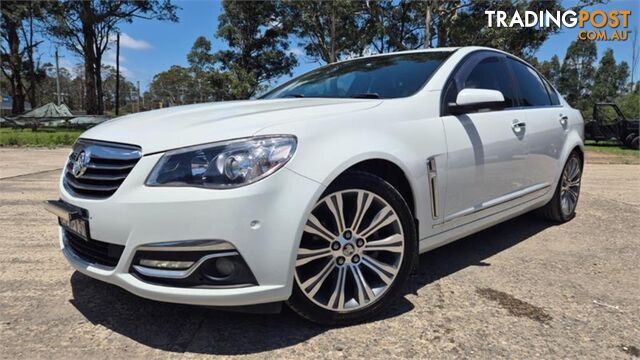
{"x":79,"y":227}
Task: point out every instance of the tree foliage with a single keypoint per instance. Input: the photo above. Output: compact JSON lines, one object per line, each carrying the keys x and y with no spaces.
{"x":257,"y":36}
{"x":22,"y":72}
{"x":577,"y":71}
{"x":333,"y":29}
{"x":87,"y":28}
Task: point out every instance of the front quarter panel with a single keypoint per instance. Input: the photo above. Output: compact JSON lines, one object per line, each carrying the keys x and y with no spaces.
{"x":397,"y":131}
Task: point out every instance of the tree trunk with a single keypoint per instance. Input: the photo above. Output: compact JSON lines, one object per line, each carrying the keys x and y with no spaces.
{"x":91,"y":103}
{"x":332,"y":49}
{"x":15,"y":64}
{"x":99,"y":90}
{"x":32,"y":73}
{"x":443,"y":21}
{"x":427,"y":26}
{"x":442,"y":36}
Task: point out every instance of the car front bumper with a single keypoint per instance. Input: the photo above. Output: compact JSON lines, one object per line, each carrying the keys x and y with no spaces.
{"x":263,"y":221}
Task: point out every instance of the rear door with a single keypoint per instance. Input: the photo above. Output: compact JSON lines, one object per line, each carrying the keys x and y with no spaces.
{"x":546,"y":128}
{"x":485,"y":149}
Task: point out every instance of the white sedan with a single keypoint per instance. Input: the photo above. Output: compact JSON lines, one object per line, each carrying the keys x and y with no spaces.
{"x":323,"y":192}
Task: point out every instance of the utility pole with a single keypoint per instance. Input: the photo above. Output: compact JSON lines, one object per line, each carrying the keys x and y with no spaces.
{"x":57,"y":77}
{"x":117,"y":73}
{"x":138,"y":95}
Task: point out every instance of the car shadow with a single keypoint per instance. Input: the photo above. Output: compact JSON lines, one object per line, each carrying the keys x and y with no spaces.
{"x":184,"y":328}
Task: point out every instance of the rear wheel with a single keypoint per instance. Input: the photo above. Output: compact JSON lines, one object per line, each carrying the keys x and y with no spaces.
{"x":562,"y":206}
{"x":628,"y":140}
{"x":356,"y":251}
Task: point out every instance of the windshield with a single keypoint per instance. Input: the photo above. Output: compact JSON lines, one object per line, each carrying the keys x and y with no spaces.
{"x":383,"y":77}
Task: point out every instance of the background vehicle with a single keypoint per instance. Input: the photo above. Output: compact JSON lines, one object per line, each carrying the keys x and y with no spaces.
{"x":609,"y":123}
{"x":322,"y":193}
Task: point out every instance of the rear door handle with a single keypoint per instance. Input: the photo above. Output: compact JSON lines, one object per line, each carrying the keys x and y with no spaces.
{"x":563,"y":119}
{"x":518,"y":126}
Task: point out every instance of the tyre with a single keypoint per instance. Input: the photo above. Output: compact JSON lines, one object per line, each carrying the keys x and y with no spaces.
{"x":628,"y":140}
{"x":356,"y":252}
{"x":562,"y":206}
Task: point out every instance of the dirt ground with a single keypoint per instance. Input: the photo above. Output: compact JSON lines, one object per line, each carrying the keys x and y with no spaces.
{"x":522,"y":289}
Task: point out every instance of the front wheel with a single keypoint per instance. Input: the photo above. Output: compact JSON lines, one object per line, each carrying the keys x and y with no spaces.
{"x":356,"y":251}
{"x":562,"y":206}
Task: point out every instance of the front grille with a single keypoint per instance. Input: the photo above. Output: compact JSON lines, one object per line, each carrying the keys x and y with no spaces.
{"x":94,"y":251}
{"x":96,"y":169}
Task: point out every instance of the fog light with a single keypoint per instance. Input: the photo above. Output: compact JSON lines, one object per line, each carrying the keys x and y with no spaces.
{"x":166,"y":264}
{"x":225,"y":266}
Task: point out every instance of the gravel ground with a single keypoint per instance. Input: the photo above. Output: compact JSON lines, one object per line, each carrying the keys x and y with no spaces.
{"x":522,"y":289}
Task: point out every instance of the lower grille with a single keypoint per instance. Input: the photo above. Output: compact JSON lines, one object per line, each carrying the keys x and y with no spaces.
{"x":96,"y":169}
{"x":94,"y":251}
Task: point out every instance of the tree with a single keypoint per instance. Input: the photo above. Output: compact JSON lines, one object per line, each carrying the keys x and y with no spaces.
{"x":257,"y":37}
{"x":172,"y":87}
{"x":635,"y":55}
{"x":466,"y":24}
{"x":577,"y":71}
{"x":87,"y":27}
{"x":622,"y":83}
{"x":12,"y":15}
{"x":611,"y":79}
{"x":127,"y":89}
{"x":550,"y":69}
{"x":331,"y":30}
{"x":201,"y":63}
{"x":397,"y":27}
{"x":19,"y":19}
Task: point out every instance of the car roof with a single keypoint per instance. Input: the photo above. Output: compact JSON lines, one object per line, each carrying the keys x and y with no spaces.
{"x":465,"y":49}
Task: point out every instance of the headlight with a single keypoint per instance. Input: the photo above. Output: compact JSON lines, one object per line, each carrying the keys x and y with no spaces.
{"x":223,"y":165}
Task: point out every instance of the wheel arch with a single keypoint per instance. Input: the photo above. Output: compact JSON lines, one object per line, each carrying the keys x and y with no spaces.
{"x":573,"y":143}
{"x":388,"y":171}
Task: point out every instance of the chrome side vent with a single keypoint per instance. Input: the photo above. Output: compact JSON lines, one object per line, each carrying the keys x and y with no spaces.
{"x":432,"y":175}
{"x":96,"y":169}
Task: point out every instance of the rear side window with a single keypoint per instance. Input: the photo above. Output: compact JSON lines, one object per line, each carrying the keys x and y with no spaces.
{"x":553,"y":95}
{"x":531,"y":89}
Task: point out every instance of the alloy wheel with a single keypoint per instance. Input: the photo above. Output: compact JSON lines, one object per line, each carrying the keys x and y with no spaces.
{"x":351,"y":250}
{"x":570,"y":186}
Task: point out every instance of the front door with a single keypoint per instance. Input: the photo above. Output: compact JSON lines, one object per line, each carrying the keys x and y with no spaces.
{"x":486,"y":150}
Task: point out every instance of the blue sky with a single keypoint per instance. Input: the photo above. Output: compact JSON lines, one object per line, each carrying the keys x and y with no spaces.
{"x":148,"y":47}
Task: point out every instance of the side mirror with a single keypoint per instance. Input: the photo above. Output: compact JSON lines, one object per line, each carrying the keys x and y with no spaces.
{"x":470,"y":100}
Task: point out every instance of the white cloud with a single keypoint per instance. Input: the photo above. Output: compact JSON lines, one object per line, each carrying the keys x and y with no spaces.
{"x":128,"y":42}
{"x":110,"y":59}
{"x":297,"y":51}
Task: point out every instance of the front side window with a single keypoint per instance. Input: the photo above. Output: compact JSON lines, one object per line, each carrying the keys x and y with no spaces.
{"x":491,"y":74}
{"x":385,"y":77}
{"x":480,"y":71}
{"x":531,"y":90}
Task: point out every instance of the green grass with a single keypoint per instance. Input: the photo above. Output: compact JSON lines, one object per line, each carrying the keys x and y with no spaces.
{"x":610,"y":147}
{"x":42,"y":138}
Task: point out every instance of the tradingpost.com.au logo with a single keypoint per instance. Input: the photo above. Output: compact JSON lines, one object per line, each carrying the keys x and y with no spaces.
{"x":607,"y":24}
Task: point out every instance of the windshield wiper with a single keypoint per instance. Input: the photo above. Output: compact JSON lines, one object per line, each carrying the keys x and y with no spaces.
{"x":295,"y":95}
{"x":367,"y":96}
